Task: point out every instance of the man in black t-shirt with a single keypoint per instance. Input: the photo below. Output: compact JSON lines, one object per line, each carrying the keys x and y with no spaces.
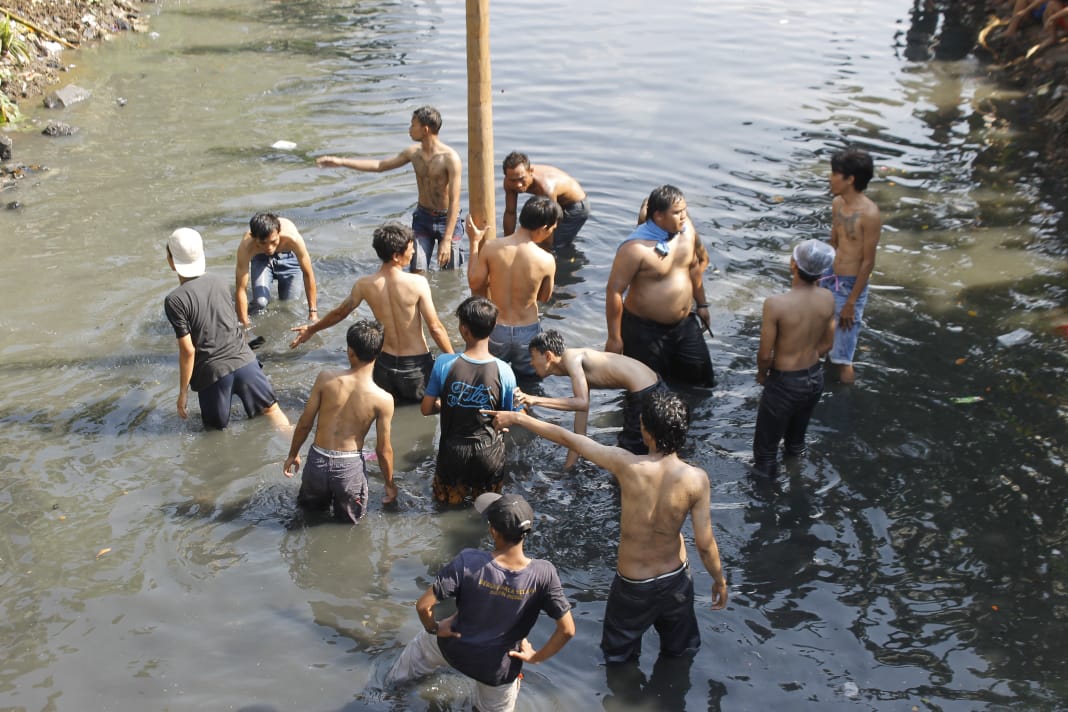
{"x":499,"y":596}
{"x":213,"y":357}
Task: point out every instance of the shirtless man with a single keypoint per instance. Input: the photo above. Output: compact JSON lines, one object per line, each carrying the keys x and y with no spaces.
{"x":516,"y":274}
{"x":346,"y":403}
{"x":797,"y":330}
{"x":855,"y":228}
{"x":589,"y":368}
{"x":653,"y":585}
{"x":539,"y":179}
{"x":436,"y":220}
{"x":274,"y":250}
{"x":660,"y":270}
{"x":401,"y":302}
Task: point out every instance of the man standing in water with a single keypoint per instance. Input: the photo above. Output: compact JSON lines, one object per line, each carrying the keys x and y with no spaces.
{"x":499,"y":595}
{"x":272,"y":249}
{"x":213,"y":357}
{"x":653,"y":585}
{"x":346,"y":403}
{"x":522,"y":177}
{"x":659,"y":268}
{"x":797,"y":330}
{"x":436,"y":220}
{"x":855,"y":228}
{"x":516,"y":274}
{"x":470,"y":452}
{"x":401,"y":302}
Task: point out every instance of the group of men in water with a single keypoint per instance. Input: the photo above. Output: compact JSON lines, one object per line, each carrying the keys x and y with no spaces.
{"x":656,"y":316}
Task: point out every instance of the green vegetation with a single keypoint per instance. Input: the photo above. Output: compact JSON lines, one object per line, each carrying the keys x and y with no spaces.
{"x":12,"y":48}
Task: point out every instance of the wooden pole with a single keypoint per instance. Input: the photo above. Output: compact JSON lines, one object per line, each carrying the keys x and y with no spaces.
{"x":480,"y":118}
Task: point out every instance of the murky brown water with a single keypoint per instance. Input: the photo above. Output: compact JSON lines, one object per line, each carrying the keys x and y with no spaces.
{"x":916,"y":557}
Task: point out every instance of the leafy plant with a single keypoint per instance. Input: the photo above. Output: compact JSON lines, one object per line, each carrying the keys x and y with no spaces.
{"x":11,"y":42}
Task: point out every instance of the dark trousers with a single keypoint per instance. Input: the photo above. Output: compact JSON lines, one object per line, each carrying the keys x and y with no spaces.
{"x":785,"y":408}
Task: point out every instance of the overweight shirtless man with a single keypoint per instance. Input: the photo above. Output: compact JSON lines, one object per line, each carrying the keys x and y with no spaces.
{"x":540,"y":179}
{"x":855,"y":228}
{"x":515,"y":274}
{"x":659,"y":269}
{"x":346,"y":404}
{"x":436,"y":220}
{"x":272,"y":250}
{"x":797,"y":330}
{"x":653,"y":585}
{"x":401,"y":302}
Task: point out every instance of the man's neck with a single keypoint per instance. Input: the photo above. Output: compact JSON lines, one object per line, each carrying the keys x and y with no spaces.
{"x":510,"y":556}
{"x":478,"y":350}
{"x":852,"y":197}
{"x":430,"y":143}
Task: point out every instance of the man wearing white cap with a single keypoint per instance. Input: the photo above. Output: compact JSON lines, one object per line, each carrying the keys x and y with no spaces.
{"x":499,"y":595}
{"x":797,"y":330}
{"x":213,"y":357}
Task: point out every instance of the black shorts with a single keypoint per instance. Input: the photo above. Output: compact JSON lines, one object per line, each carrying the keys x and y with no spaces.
{"x":466,"y":469}
{"x":677,"y":352}
{"x":664,"y":602}
{"x":248,"y":383}
{"x":404,"y":377}
{"x":337,"y":479}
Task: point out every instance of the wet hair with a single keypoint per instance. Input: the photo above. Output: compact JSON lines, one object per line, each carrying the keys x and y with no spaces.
{"x":666,"y":417}
{"x":661,"y":199}
{"x":548,"y":340}
{"x":479,"y":315}
{"x":391,"y":239}
{"x":856,"y":163}
{"x":516,"y":159}
{"x":263,"y":225}
{"x":540,"y":211}
{"x":365,"y":338}
{"x":428,"y":116}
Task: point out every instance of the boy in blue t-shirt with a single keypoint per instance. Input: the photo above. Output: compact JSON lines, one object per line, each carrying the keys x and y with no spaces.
{"x":471,"y":452}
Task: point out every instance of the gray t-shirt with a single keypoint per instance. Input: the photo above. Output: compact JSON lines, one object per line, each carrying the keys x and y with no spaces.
{"x":203,"y":308}
{"x":496,"y":608}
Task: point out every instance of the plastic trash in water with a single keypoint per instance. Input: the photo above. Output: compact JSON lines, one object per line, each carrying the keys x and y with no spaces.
{"x":284,"y":145}
{"x":965,"y":400}
{"x":1014,"y":338}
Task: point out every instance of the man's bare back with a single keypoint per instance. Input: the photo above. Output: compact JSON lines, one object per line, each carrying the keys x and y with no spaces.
{"x":348,"y":406}
{"x":798,"y":327}
{"x":520,"y":274}
{"x":608,"y":370}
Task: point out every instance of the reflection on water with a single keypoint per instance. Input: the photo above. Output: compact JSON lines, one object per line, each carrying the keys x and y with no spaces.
{"x":913,"y":559}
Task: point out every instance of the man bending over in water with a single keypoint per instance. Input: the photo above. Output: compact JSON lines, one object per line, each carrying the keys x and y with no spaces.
{"x":589,"y":368}
{"x":540,"y":179}
{"x":346,"y":403}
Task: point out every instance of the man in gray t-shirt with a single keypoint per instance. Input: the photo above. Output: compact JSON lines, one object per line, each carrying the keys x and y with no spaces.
{"x":213,"y":357}
{"x":499,"y":596}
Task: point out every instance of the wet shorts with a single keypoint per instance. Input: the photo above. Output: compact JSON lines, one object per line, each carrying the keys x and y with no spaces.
{"x":428,"y":226}
{"x":512,"y":344}
{"x":664,"y":602}
{"x":631,"y":437}
{"x":575,"y":216}
{"x":845,"y":340}
{"x":677,"y":351}
{"x":247,"y":383}
{"x":334,"y":477}
{"x":466,"y":470}
{"x":404,"y":377}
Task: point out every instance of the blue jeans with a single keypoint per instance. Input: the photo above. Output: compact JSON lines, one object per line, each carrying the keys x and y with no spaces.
{"x":512,"y":344}
{"x":785,"y":408}
{"x":281,"y":266}
{"x":428,"y":227}
{"x":845,"y":340}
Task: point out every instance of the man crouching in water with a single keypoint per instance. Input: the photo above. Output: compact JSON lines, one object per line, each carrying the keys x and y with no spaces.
{"x":346,"y":403}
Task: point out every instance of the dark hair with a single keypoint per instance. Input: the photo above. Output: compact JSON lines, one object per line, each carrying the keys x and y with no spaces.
{"x":263,"y":225}
{"x":428,"y":116}
{"x":365,"y":338}
{"x":516,"y":159}
{"x":479,"y":315}
{"x":548,"y":340}
{"x":666,"y":417}
{"x":540,"y":211}
{"x":856,"y":163}
{"x":391,"y":239}
{"x":661,"y":199}
{"x":806,"y":277}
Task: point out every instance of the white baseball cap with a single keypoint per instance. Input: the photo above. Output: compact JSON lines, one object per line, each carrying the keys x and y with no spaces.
{"x":187,"y":252}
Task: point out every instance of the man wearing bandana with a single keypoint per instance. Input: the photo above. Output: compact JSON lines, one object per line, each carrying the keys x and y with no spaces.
{"x":660,"y":319}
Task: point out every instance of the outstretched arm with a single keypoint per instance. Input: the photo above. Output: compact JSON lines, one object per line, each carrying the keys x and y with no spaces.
{"x":612,"y":459}
{"x":477,"y":268}
{"x":369,"y":165}
{"x":336,"y":315}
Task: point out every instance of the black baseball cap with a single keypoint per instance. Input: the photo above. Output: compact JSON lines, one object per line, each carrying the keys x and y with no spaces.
{"x":508,"y":513}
